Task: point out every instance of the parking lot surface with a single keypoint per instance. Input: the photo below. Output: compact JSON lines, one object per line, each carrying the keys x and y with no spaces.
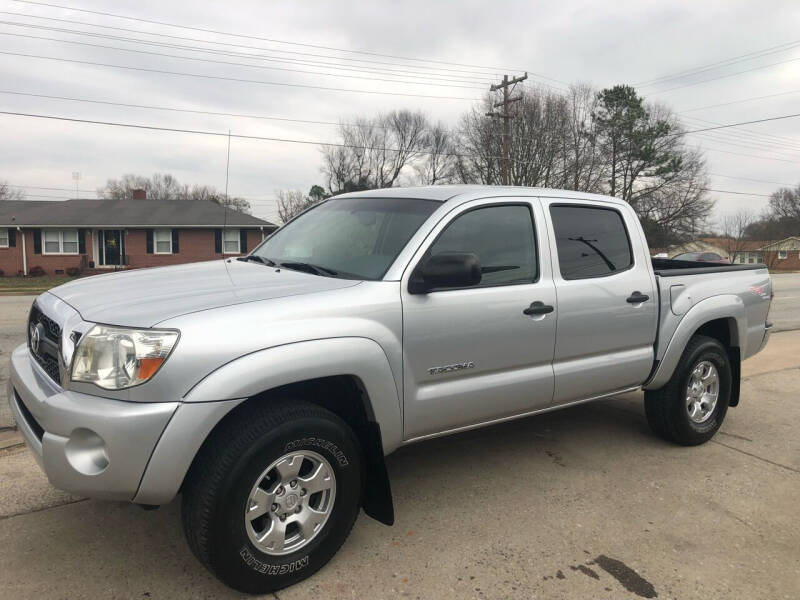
{"x":579,"y":503}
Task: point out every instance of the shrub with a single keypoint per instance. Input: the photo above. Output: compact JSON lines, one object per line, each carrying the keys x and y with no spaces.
{"x":73,"y":271}
{"x":36,"y":271}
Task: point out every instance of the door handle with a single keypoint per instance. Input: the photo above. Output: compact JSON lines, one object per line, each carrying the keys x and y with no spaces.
{"x":538,"y":308}
{"x":637,"y":298}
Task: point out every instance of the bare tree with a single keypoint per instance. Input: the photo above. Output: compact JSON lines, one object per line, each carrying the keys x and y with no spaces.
{"x":374,"y":152}
{"x":9,"y":193}
{"x":786,"y":203}
{"x":438,"y":164}
{"x":734,"y":232}
{"x":167,"y":187}
{"x":292,"y":202}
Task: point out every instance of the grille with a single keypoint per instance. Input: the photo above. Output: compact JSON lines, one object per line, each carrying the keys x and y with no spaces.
{"x":49,"y":344}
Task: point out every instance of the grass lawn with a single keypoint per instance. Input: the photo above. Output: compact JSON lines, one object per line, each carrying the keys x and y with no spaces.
{"x":31,"y":285}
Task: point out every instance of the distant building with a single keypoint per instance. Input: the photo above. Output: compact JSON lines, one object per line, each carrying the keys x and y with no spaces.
{"x":781,"y":255}
{"x":61,"y":237}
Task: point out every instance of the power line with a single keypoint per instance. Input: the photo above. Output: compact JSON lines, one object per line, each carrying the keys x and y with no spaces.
{"x":726,"y":62}
{"x":223,"y":62}
{"x":247,"y":55}
{"x":52,"y":189}
{"x":794,"y":161}
{"x":741,"y":123}
{"x":739,"y":101}
{"x":173,"y":109}
{"x":678,"y":87}
{"x":736,"y":193}
{"x":233,"y":45}
{"x":749,"y":179}
{"x":750,"y":134}
{"x":273,"y":40}
{"x":236,"y":79}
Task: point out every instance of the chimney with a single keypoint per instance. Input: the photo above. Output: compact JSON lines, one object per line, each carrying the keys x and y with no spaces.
{"x":139,"y":194}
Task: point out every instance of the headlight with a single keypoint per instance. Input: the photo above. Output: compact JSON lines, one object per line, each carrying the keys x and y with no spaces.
{"x":117,"y":357}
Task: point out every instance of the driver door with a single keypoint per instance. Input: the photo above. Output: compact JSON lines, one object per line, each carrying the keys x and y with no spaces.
{"x":471,"y":354}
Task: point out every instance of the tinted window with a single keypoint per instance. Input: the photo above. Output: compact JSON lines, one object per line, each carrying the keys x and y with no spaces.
{"x":500,"y":236}
{"x":349,"y":237}
{"x":591,"y":242}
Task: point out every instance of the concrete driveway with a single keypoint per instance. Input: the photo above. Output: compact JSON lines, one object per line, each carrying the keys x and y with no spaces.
{"x":580,"y":503}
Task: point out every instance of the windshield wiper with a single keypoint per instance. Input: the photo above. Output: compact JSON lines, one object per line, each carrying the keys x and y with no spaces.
{"x":308,"y":267}
{"x":256,"y":258}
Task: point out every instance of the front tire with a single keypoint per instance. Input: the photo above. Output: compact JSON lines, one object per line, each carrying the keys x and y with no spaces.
{"x":691,"y":406}
{"x":272,"y":495}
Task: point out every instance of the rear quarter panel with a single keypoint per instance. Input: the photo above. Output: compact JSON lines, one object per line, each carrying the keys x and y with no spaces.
{"x":687,"y":302}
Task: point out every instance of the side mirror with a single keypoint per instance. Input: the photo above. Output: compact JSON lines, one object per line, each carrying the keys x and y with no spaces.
{"x":446,"y":270}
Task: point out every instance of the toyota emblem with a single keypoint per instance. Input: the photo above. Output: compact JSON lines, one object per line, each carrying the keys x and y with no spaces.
{"x":35,"y":338}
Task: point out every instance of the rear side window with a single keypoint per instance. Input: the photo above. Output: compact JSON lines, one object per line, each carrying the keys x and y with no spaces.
{"x":591,"y":242}
{"x":501,"y":237}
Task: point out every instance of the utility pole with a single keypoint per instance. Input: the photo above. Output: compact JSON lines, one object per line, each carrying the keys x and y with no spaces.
{"x":507,"y":87}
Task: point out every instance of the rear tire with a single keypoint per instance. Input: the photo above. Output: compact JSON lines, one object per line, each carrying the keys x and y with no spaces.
{"x":272,"y":495}
{"x":691,"y":406}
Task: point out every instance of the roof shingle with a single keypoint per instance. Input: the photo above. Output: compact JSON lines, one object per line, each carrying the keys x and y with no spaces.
{"x":123,"y":213}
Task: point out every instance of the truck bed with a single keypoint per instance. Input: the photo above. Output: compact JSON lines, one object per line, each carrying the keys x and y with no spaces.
{"x":668,"y":267}
{"x":744,"y":289}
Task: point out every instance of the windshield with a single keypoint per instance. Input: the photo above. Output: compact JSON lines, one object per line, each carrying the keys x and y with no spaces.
{"x":356,"y":238}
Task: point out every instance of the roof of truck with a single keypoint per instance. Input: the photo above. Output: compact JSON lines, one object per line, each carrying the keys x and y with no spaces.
{"x":443,"y":193}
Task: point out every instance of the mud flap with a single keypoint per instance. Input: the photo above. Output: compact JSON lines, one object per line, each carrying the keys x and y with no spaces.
{"x":736,"y":374}
{"x":377,"y":498}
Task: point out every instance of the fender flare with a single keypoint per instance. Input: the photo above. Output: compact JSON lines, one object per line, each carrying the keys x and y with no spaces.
{"x":725,"y":306}
{"x":219,"y":392}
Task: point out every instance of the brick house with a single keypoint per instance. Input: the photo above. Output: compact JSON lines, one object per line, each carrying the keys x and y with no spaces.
{"x":98,"y":235}
{"x":781,"y":255}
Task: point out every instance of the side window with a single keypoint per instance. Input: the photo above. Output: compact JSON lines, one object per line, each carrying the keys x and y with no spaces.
{"x":591,"y":242}
{"x":501,"y":237}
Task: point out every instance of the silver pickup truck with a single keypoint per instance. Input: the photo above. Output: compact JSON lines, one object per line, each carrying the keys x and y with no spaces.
{"x":267,"y":389}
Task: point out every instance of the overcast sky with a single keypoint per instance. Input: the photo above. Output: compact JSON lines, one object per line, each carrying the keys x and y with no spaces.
{"x":570,"y":41}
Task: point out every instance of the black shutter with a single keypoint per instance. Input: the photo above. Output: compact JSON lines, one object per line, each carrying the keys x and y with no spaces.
{"x":243,"y":241}
{"x":37,"y":241}
{"x":218,"y":241}
{"x":12,"y":238}
{"x":81,"y":241}
{"x":149,"y":241}
{"x":175,"y":248}
{"x":122,"y":259}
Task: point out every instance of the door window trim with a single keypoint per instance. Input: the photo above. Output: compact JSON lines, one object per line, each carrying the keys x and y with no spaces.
{"x":537,"y":254}
{"x":593,"y":207}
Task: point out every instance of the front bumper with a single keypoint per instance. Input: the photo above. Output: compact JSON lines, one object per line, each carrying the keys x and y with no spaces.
{"x":87,"y":445}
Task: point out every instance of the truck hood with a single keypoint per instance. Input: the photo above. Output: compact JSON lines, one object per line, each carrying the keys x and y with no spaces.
{"x":144,"y":297}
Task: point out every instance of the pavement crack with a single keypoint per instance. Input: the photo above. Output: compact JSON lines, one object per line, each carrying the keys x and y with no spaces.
{"x":761,"y":458}
{"x":36,"y":510}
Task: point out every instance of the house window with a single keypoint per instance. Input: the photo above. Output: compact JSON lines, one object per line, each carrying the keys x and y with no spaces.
{"x":230,"y":241}
{"x":782,"y":254}
{"x":163,"y":241}
{"x":60,"y":241}
{"x":753,"y":258}
{"x":3,"y":238}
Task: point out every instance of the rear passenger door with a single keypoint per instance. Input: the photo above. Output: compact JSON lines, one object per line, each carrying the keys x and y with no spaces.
{"x":607,"y":302}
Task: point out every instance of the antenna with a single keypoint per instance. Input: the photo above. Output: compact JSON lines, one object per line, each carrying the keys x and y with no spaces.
{"x":225,"y":202}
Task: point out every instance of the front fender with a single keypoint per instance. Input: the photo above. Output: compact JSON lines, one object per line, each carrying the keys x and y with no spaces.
{"x":290,"y":363}
{"x":205,"y":404}
{"x":726,"y":306}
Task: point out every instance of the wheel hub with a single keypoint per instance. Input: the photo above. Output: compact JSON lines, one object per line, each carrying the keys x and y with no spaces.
{"x":702,"y":392}
{"x":290,"y":502}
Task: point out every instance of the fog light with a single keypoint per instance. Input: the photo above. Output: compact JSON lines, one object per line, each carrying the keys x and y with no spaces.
{"x":86,"y":452}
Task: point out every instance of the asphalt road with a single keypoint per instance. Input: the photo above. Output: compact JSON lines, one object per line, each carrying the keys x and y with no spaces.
{"x":785,"y":311}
